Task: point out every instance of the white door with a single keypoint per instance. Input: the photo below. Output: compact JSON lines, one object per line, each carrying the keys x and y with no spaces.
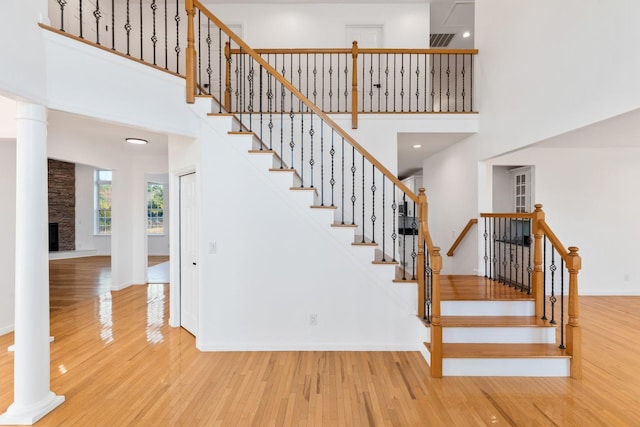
{"x":188,"y":254}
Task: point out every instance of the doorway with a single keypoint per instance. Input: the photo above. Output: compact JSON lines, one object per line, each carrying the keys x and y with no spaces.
{"x":188,"y":254}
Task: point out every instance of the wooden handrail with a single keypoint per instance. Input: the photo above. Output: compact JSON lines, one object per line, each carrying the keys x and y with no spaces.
{"x":360,"y":50}
{"x":310,"y":105}
{"x":462,"y":235}
{"x":518,"y":215}
{"x":555,"y":242}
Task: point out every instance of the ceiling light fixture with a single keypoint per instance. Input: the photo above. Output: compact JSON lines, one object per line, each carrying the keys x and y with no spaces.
{"x":466,"y":34}
{"x":417,"y":146}
{"x":138,"y":141}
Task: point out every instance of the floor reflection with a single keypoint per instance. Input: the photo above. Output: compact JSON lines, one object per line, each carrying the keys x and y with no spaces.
{"x":105,"y":316}
{"x":155,"y":312}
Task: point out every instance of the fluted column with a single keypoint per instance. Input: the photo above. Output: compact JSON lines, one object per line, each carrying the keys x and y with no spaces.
{"x":32,"y":397}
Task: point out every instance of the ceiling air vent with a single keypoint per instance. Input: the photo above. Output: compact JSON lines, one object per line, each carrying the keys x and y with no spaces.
{"x":440,"y":40}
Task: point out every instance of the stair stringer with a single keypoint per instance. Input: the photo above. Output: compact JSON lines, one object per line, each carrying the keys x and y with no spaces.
{"x":278,"y":262}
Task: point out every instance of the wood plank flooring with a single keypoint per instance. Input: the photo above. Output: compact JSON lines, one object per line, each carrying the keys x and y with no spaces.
{"x":119,"y":364}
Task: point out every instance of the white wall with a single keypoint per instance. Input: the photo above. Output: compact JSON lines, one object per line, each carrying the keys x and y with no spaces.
{"x":7,"y":231}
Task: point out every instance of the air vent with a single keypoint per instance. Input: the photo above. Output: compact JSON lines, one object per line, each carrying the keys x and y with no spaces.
{"x":440,"y":40}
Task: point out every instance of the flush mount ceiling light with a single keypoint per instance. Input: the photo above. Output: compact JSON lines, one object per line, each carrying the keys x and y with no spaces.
{"x":466,"y":34}
{"x":138,"y":141}
{"x":417,"y":146}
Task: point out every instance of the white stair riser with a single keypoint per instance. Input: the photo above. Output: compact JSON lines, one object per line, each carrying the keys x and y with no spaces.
{"x":506,"y":367}
{"x":497,"y":335}
{"x":487,"y":308}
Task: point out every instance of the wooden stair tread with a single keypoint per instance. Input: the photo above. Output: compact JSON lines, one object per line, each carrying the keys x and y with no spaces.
{"x":240,"y":132}
{"x":264,"y":151}
{"x":387,"y":262}
{"x":490,"y":351}
{"x":496,"y":321}
{"x":344,"y":225}
{"x":323,"y":207}
{"x":408,"y":280}
{"x":364,"y":244}
{"x":477,"y":288}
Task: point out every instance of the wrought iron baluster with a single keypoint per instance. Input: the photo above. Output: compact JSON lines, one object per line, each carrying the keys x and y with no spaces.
{"x":261,"y":110}
{"x":417,"y":83}
{"x":428,"y":283}
{"x":220,"y":98}
{"x":63,"y":3}
{"x":315,"y":78}
{"x":440,"y":82}
{"x":471,"y":83}
{"x":306,"y":92}
{"x":127,"y":27}
{"x":292,"y":143}
{"x":562,"y":326}
{"x":552,"y":298}
{"x":363,"y":222}
{"x":373,"y":203}
{"x":544,"y":276}
{"x":402,"y":82}
{"x":177,"y":48}
{"x":511,"y":266}
{"x":379,"y":79}
{"x":353,"y":185}
{"x":464,"y":62}
{"x":486,"y":248}
{"x":97,"y":14}
{"x":346,"y":82}
{"x":529,"y":269}
{"x":301,"y":146}
{"x":448,"y":72}
{"x":330,"y":83}
{"x":209,"y":70}
{"x":414,"y":233}
{"x":342,"y":205}
{"x":250,"y":78}
{"x":80,"y":11}
{"x":141,"y":34}
{"x":495,"y":258}
{"x":270,"y":111}
{"x":386,"y":85}
{"x":113,"y":25}
{"x":154,"y":37}
{"x":321,"y":162}
{"x":456,"y":85}
{"x":395,"y":74}
{"x":426,"y":107}
{"x":332,"y":152}
{"x":384,"y":235}
{"x":433,"y":83}
{"x":404,"y":235}
{"x":323,"y":83}
{"x":370,"y":83}
{"x":311,"y":160}
{"x":338,"y":82}
{"x":199,"y":53}
{"x":394,"y":233}
{"x":166,"y":40}
{"x":409,"y":81}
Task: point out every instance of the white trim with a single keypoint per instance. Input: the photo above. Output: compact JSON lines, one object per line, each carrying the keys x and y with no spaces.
{"x":7,"y":329}
{"x":308,"y":347}
{"x":72,"y":254}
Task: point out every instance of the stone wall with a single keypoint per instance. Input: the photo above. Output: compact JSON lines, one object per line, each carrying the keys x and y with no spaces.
{"x":62,"y":202}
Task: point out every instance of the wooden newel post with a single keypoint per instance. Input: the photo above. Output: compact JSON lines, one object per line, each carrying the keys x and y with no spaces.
{"x":354,"y":86}
{"x":574,"y":333}
{"x":191,"y":53}
{"x":436,"y":326}
{"x":227,"y":74}
{"x":538,"y":272}
{"x":422,"y":230}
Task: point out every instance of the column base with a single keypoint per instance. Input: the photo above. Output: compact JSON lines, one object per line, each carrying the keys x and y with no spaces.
{"x":30,"y":414}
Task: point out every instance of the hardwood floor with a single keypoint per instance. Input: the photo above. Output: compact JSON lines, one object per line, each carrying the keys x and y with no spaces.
{"x":118,"y":363}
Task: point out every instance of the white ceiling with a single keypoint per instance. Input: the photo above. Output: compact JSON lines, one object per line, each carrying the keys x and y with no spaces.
{"x":410,"y":159}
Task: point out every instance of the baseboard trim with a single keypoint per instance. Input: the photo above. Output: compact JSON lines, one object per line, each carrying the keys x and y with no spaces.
{"x":71,"y":254}
{"x":7,"y":329}
{"x":307,"y":347}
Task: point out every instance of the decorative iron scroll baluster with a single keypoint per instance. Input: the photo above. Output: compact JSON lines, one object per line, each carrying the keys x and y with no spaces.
{"x":511,"y":279}
{"x":394,"y":233}
{"x":353,"y":186}
{"x":342,"y":205}
{"x":315,"y":79}
{"x":323,"y":81}
{"x":562,"y":346}
{"x":433,"y":83}
{"x":552,"y":298}
{"x":370,"y":83}
{"x":332,"y":152}
{"x":440,"y":82}
{"x":209,"y":70}
{"x":220,"y":98}
{"x":404,"y":236}
{"x":544,"y":276}
{"x":463,"y":86}
{"x":306,"y":92}
{"x":113,"y":25}
{"x":97,"y":13}
{"x":426,"y":106}
{"x":504,"y":254}
{"x":373,"y":203}
{"x":384,"y":235}
{"x":301,"y":149}
{"x":428,"y":284}
{"x":495,"y":258}
{"x":414,"y":233}
{"x":455,"y":84}
{"x":127,"y":27}
{"x":409,"y":80}
{"x":338,"y":82}
{"x":250,"y":78}
{"x":395,"y":60}
{"x":239,"y":83}
{"x":346,"y":82}
{"x":154,"y":37}
{"x":311,"y":161}
{"x":330,"y":83}
{"x":486,"y":249}
{"x":448,"y":72}
{"x":417,"y":83}
{"x":363,"y":222}
{"x":62,"y":4}
{"x":321,"y":162}
{"x":177,"y":48}
{"x":470,"y":83}
{"x":379,"y":79}
{"x":270,"y":110}
{"x":292,"y":143}
{"x":80,"y":11}
{"x":529,"y":270}
{"x":386,"y":85}
{"x":141,"y":34}
{"x":402,"y":82}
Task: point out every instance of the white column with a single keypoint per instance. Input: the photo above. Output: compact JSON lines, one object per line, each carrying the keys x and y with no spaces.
{"x":32,"y":397}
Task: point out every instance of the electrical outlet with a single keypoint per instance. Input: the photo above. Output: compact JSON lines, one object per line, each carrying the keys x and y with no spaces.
{"x":313,"y":319}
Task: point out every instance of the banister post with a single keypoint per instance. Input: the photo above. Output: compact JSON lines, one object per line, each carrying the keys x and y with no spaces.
{"x":420,"y":273}
{"x":436,"y":326}
{"x":191,"y":53}
{"x":227,"y":74}
{"x":574,"y":333}
{"x":354,"y":86}
{"x":538,"y":272}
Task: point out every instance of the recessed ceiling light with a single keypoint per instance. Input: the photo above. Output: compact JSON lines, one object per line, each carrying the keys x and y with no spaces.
{"x":138,"y":141}
{"x":466,"y":34}
{"x":417,"y":146}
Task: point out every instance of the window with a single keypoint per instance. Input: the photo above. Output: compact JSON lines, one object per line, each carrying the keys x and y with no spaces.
{"x":155,"y":208}
{"x":103,"y":201}
{"x":522,"y":186}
